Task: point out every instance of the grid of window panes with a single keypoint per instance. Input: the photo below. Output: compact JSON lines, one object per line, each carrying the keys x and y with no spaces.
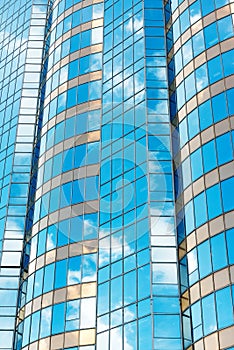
{"x":124,"y":309}
{"x":67,"y":176}
{"x":165,"y":289}
{"x":213,"y":153}
{"x":125,"y":273}
{"x":20,"y":75}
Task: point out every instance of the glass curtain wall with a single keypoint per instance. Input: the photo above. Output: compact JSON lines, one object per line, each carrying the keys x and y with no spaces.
{"x":22,"y":40}
{"x":59,"y":310}
{"x":203,"y":59}
{"x":138,"y":293}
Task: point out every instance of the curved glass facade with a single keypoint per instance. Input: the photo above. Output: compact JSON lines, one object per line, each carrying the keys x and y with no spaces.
{"x":60,"y":303}
{"x":203,"y":89}
{"x":117,"y":175}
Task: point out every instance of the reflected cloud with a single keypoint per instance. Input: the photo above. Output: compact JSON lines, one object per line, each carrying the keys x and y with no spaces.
{"x":46,"y":317}
{"x":89,"y":268}
{"x":165,"y":273}
{"x":194,"y":18}
{"x":89,"y":228}
{"x":74,"y":277}
{"x":50,"y":244}
{"x":192,"y":261}
{"x":97,"y":11}
{"x":162,"y":225}
{"x":116,"y":338}
{"x":134,"y":24}
{"x":117,"y":245}
{"x":88,"y":313}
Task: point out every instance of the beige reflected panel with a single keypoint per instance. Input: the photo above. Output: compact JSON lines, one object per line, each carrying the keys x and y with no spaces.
{"x":71,"y":339}
{"x":211,"y":342}
{"x":226,"y":337}
{"x":57,"y":342}
{"x":88,"y":290}
{"x":87,"y":337}
{"x":74,"y":292}
{"x":44,"y":344}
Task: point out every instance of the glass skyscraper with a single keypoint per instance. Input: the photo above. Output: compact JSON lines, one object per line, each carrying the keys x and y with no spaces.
{"x":117,"y":175}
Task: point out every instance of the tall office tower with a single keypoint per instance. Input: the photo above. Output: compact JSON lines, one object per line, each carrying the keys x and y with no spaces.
{"x":117,"y":175}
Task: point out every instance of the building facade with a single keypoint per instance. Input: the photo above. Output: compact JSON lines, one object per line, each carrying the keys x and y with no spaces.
{"x":117,"y":175}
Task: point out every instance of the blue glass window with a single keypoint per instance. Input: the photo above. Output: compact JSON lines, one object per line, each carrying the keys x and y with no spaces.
{"x":214,"y":68}
{"x":80,"y":153}
{"x":63,"y":232}
{"x":60,"y":274}
{"x":230,"y":245}
{"x":198,"y":43}
{"x":46,"y":315}
{"x":67,"y":23}
{"x":71,"y":97}
{"x":35,"y":326}
{"x":48,"y":278}
{"x":196,"y":164}
{"x":195,"y":12}
{"x":190,"y":86}
{"x":186,"y":170}
{"x":83,"y":93}
{"x":59,"y":132}
{"x":228,"y":64}
{"x":26,"y":331}
{"x":224,"y":148}
{"x":65,"y":48}
{"x":91,"y":188}
{"x":207,"y":7}
{"x":58,"y":318}
{"x":193,"y":123}
{"x":200,"y":209}
{"x":205,"y":115}
{"x":73,"y":69}
{"x":225,"y":27}
{"x":220,"y":3}
{"x":224,"y":308}
{"x":84,"y":65}
{"x":214,"y":201}
{"x":162,"y":328}
{"x":183,"y":130}
{"x":78,"y":191}
{"x":197,"y":320}
{"x":74,"y":270}
{"x":211,"y":35}
{"x":219,"y":106}
{"x":228,"y":194}
{"x":218,"y":252}
{"x":95,"y":90}
{"x":70,"y":128}
{"x":54,"y":199}
{"x":65,"y":196}
{"x":189,"y":219}
{"x":201,"y":77}
{"x":209,"y":315}
{"x":230,"y":97}
{"x":204,"y":258}
{"x":41,"y":242}
{"x":38,"y":283}
{"x":76,"y":229}
{"x":75,"y":43}
{"x":184,"y":20}
{"x":68,"y":159}
{"x":209,"y":156}
{"x":85,"y":39}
